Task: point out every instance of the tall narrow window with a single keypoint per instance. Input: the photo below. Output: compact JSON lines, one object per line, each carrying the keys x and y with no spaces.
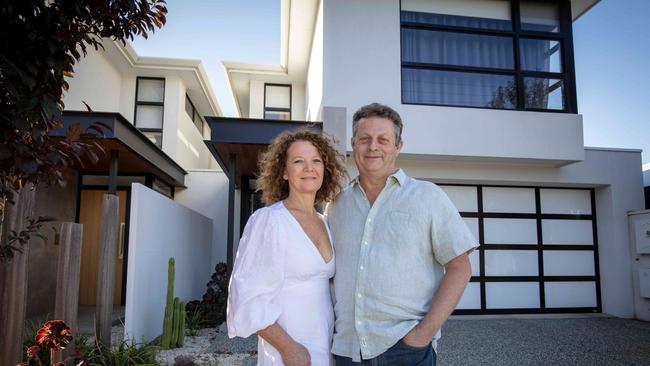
{"x":195,"y":116}
{"x":503,"y":54}
{"x":277,"y":101}
{"x":149,"y":107}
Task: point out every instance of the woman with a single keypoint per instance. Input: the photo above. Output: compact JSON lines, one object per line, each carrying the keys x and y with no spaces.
{"x":279,"y":287}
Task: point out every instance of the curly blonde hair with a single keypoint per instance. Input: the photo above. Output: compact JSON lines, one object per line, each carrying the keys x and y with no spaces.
{"x":273,"y":161}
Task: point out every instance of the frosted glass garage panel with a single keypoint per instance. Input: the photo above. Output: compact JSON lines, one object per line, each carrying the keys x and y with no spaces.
{"x":570,"y":232}
{"x":475,"y":262}
{"x":471,"y":298}
{"x":511,"y":263}
{"x":565,"y":201}
{"x":510,"y":231}
{"x":569,"y":263}
{"x":472,"y":225}
{"x":464,"y":198}
{"x":570,"y":294}
{"x":512,"y":295}
{"x":511,"y":200}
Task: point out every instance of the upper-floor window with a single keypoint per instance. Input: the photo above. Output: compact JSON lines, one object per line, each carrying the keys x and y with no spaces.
{"x":196,"y":118}
{"x":277,"y":101}
{"x":490,"y":54}
{"x":149,"y":107}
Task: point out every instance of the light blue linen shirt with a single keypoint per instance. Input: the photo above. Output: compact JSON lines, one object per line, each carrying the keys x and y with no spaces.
{"x":389,"y":260}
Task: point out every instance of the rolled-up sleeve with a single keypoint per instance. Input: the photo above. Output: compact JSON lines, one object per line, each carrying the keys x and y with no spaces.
{"x":257,"y":277}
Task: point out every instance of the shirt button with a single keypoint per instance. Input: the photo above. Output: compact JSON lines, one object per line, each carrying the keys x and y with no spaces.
{"x":361,"y":268}
{"x":358,"y":322}
{"x":369,"y":220}
{"x":359,"y":295}
{"x":365,"y":242}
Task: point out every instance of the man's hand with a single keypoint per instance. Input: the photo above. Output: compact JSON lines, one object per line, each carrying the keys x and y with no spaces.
{"x":417,"y":337}
{"x":457,"y":274}
{"x":296,"y":355}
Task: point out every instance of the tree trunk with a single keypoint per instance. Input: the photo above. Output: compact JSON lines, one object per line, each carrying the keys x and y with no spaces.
{"x":13,"y":280}
{"x":106,"y":272}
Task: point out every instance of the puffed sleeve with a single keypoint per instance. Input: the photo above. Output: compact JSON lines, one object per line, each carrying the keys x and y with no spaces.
{"x":257,"y":276}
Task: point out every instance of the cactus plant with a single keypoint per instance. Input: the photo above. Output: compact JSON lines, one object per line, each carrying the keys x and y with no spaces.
{"x":166,"y":340}
{"x":175,"y":323}
{"x":181,"y":316}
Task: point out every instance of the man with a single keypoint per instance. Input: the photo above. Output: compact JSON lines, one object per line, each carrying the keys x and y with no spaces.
{"x":401,"y":253}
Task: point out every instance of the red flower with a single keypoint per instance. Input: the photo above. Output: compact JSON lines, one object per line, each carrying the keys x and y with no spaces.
{"x":54,"y":335}
{"x":23,"y":364}
{"x":33,"y":351}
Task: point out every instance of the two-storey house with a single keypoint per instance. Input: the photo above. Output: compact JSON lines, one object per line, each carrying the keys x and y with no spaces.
{"x":487,"y":93}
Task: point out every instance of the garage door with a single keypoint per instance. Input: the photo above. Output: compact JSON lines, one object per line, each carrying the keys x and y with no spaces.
{"x":538,"y":252}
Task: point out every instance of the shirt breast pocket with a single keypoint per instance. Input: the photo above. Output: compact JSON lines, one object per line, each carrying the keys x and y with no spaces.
{"x":404,"y":227}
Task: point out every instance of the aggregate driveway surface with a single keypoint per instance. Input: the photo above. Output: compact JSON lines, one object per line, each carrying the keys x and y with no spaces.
{"x":567,"y":341}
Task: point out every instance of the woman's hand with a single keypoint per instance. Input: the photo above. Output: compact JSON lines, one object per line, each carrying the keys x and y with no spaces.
{"x":296,"y":355}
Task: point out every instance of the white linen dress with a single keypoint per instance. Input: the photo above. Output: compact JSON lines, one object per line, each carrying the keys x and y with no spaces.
{"x":280,"y":276}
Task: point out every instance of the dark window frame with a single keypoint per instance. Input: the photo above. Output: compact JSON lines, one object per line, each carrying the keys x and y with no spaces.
{"x":564,"y":38}
{"x":483,"y":279}
{"x":194,"y":115}
{"x":274,"y":109}
{"x":157,"y":104}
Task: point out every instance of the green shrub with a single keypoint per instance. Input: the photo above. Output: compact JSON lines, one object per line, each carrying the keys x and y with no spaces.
{"x":127,"y":353}
{"x":193,"y":321}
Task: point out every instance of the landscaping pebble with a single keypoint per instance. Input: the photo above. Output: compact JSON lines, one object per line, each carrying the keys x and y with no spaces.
{"x":212,"y":347}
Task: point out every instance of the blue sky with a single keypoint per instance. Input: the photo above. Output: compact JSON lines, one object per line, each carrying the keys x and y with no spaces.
{"x":611,"y":44}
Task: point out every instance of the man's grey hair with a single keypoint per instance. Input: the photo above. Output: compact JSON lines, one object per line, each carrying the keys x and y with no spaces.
{"x":378,"y":110}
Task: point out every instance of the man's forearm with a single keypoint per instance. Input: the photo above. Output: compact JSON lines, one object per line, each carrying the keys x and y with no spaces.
{"x":457,"y":274}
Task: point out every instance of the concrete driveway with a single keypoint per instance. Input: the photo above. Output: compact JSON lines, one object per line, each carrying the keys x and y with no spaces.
{"x":544,"y":341}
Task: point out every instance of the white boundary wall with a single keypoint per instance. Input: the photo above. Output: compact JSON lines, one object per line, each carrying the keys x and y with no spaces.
{"x":159,"y":229}
{"x":207,"y":193}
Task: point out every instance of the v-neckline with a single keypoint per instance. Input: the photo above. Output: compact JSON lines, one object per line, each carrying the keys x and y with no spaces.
{"x":311,"y":242}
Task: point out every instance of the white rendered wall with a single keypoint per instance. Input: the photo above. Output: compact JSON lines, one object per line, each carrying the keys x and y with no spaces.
{"x":361,"y":64}
{"x":191,"y":151}
{"x":314,"y":84}
{"x":256,"y":100}
{"x":639,"y":225}
{"x":614,"y":174}
{"x":84,"y":86}
{"x":298,"y":102}
{"x":207,"y":193}
{"x":160,"y":229}
{"x":127,"y":97}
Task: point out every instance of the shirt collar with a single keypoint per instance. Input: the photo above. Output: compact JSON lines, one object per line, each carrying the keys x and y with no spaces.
{"x":399,"y":176}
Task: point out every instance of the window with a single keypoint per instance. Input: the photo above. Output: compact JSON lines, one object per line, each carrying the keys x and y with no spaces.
{"x":498,"y":54}
{"x":149,"y":107}
{"x":196,"y":117}
{"x":277,"y":101}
